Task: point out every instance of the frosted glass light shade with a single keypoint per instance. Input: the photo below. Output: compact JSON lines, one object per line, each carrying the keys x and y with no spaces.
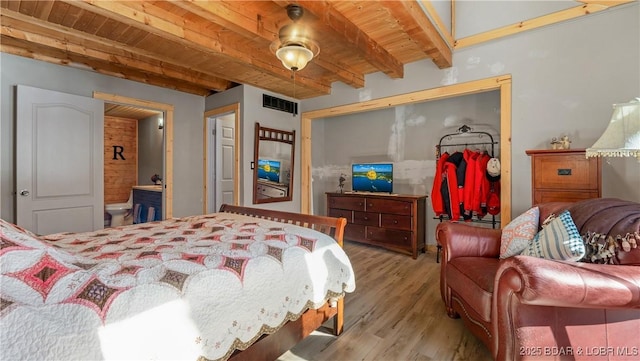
{"x":294,"y":57}
{"x":622,"y":136}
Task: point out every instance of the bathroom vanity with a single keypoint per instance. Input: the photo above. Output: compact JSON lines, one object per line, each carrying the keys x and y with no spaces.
{"x":147,"y":196}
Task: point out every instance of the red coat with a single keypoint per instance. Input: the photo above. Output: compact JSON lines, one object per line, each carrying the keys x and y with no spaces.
{"x":482,"y":186}
{"x":436,"y":195}
{"x":447,"y":190}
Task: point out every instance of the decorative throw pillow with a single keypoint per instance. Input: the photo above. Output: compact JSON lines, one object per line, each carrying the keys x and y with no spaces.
{"x":559,"y":240}
{"x":519,"y":232}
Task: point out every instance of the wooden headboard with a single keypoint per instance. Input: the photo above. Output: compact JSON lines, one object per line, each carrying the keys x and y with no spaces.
{"x":331,"y":226}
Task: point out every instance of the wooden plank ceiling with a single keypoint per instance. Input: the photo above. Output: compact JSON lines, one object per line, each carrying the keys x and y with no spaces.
{"x":204,"y":47}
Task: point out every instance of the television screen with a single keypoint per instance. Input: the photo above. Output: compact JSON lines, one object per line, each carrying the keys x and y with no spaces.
{"x":372,"y":177}
{"x":269,"y":170}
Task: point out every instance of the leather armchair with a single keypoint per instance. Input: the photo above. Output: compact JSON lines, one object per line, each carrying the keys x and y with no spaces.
{"x":526,"y":308}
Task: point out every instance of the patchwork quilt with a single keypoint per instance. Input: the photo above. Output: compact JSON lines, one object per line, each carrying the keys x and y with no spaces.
{"x":189,"y":288}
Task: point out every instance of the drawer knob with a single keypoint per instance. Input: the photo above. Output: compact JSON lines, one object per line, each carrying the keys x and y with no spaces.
{"x":564,"y":171}
{"x":366,"y":218}
{"x":395,"y":221}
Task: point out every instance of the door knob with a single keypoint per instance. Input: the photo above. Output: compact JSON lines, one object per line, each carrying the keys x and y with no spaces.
{"x":24,"y":192}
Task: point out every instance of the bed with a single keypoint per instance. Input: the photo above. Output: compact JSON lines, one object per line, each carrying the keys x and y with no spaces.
{"x":242,"y":283}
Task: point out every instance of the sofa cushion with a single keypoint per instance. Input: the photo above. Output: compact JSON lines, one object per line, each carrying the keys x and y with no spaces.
{"x":610,"y":228}
{"x":519,"y":232}
{"x":472,"y":278}
{"x":559,"y":240}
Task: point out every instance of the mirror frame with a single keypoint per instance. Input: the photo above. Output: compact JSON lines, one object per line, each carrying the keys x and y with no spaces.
{"x":275,"y":135}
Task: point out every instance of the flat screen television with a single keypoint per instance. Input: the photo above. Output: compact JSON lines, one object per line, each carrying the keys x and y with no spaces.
{"x":269,"y":170}
{"x":372,"y":177}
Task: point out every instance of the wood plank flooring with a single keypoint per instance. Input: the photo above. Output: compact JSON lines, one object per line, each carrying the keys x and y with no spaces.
{"x":396,"y":313}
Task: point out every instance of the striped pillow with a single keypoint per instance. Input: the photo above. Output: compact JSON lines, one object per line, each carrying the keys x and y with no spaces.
{"x":559,"y":240}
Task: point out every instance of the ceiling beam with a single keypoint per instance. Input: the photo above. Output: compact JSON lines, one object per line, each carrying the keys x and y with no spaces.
{"x":243,"y":19}
{"x":332,"y":20}
{"x":433,"y":15}
{"x":175,"y":28}
{"x":54,"y":56}
{"x":413,"y":20}
{"x":29,"y":29}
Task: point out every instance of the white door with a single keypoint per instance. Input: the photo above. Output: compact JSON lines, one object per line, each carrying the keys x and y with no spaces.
{"x":59,"y":161}
{"x":225,"y":151}
{"x":220,"y":161}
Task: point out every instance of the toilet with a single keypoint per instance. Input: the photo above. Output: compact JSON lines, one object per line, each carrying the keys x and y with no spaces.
{"x":119,"y":211}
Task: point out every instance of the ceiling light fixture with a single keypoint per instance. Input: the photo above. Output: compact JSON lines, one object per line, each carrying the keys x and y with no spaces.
{"x":294,"y":47}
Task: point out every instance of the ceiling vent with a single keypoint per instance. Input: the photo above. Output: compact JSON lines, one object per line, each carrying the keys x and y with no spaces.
{"x":272,"y":102}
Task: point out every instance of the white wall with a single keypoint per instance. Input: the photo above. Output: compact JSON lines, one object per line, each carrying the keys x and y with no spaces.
{"x":187,"y":161}
{"x":251,"y":111}
{"x":565,"y":77}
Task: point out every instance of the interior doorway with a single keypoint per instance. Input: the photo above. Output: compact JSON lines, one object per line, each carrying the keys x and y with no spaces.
{"x":221,"y":157}
{"x":501,"y":83}
{"x":133,"y":158}
{"x":147,"y":109}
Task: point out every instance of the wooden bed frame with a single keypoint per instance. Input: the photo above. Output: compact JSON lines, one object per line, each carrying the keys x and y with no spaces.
{"x":269,"y":347}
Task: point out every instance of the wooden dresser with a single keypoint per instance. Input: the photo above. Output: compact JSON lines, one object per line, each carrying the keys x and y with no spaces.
{"x":564,"y":175}
{"x":395,"y":222}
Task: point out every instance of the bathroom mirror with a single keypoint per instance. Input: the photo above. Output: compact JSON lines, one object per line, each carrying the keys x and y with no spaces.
{"x":273,"y":165}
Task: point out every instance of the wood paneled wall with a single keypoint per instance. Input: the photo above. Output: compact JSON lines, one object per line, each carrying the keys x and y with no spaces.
{"x":120,"y":174}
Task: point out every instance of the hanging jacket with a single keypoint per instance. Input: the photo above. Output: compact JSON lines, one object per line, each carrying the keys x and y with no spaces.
{"x":455,"y":169}
{"x":469,"y":188}
{"x":437,"y":201}
{"x":481,"y":185}
{"x":449,"y":191}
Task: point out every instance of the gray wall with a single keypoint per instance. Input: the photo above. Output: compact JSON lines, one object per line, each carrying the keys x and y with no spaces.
{"x":251,"y":111}
{"x":150,"y":149}
{"x":405,"y":136}
{"x":187,"y":161}
{"x":565,"y":77}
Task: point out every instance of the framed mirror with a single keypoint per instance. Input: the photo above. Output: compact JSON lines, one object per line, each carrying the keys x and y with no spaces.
{"x":273,"y":165}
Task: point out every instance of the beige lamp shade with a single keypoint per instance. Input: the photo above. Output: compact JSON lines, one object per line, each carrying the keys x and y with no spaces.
{"x":622,"y":136}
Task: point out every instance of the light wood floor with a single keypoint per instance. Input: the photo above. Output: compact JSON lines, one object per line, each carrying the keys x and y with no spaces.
{"x":396,"y":313}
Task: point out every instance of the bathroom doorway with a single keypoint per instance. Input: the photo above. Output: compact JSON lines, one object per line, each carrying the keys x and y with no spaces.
{"x":136,"y":154}
{"x":221,"y":157}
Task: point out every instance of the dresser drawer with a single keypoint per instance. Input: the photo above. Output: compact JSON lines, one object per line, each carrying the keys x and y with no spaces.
{"x":565,"y":172}
{"x":354,"y":232}
{"x":562,"y":196}
{"x":352,"y":203}
{"x":333,"y":212}
{"x":389,"y":236}
{"x":395,"y":221}
{"x":366,"y":218}
{"x":388,"y":206}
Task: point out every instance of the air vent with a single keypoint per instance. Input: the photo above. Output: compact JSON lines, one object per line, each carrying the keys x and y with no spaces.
{"x":287,"y":106}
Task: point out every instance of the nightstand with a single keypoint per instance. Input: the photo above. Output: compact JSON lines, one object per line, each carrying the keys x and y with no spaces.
{"x":564,"y":175}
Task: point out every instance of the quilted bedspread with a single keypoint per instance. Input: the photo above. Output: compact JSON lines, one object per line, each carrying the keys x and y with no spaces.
{"x":189,"y":288}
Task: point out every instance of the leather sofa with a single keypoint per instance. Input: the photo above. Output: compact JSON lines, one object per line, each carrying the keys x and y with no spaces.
{"x":528,"y":308}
